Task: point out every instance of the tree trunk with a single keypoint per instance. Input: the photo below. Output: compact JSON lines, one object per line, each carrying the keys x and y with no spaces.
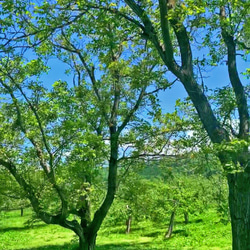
{"x":128,"y":224}
{"x":171,"y":226}
{"x":186,"y":219}
{"x":21,"y":211}
{"x":87,"y":244}
{"x":239,"y":203}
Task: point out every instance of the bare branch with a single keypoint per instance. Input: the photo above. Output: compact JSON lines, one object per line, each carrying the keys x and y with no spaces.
{"x":162,"y":88}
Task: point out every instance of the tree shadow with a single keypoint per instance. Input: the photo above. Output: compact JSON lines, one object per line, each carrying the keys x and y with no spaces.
{"x":198,"y":221}
{"x":153,"y":234}
{"x":118,"y":246}
{"x":7,"y":229}
{"x":54,"y":247}
{"x":126,"y":246}
{"x":181,"y":232}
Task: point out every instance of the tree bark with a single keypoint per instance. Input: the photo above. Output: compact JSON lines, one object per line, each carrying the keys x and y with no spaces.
{"x":238,"y":87}
{"x":239,"y":203}
{"x":101,"y":213}
{"x":85,"y":244}
{"x":128,"y":224}
{"x":186,"y":219}
{"x":171,"y":226}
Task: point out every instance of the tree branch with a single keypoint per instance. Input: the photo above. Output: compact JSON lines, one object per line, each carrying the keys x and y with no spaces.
{"x":90,"y":71}
{"x":244,"y":46}
{"x":48,"y":169}
{"x":117,"y":12}
{"x":149,"y":32}
{"x":133,"y":110}
{"x":169,"y":51}
{"x":44,"y":139}
{"x":234,"y":77}
{"x":158,"y":89}
{"x":184,"y":45}
{"x":20,"y":121}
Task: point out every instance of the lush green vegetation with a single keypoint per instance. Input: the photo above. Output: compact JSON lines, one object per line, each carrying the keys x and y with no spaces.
{"x":77,"y":147}
{"x":152,"y":194}
{"x":204,"y":231}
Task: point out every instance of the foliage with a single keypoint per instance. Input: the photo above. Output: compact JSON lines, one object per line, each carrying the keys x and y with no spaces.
{"x":154,"y":199}
{"x":11,"y":195}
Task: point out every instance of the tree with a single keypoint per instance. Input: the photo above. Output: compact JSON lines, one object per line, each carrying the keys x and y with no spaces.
{"x":56,"y":142}
{"x":181,"y":18}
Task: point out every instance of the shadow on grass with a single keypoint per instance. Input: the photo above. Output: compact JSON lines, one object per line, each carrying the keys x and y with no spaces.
{"x":126,"y":246}
{"x":54,"y":247}
{"x":197,"y":221}
{"x":157,"y":234}
{"x":7,"y":229}
{"x":121,"y":246}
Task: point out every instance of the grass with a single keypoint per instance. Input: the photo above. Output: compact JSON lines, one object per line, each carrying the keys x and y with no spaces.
{"x":202,"y":233}
{"x":16,"y":234}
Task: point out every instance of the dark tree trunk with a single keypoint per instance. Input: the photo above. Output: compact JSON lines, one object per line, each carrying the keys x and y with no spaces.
{"x":82,"y":243}
{"x":21,"y":211}
{"x":171,"y":226}
{"x":85,"y":244}
{"x":239,"y":203}
{"x":186,"y":219}
{"x":128,"y":224}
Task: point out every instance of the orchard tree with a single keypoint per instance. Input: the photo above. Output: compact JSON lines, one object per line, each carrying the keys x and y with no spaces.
{"x":169,"y":29}
{"x":153,"y":199}
{"x":56,"y":141}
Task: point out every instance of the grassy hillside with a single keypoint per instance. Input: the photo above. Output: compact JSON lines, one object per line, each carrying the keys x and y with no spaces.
{"x":203,"y":232}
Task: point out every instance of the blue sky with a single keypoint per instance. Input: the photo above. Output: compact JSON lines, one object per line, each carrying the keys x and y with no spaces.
{"x":215,"y":77}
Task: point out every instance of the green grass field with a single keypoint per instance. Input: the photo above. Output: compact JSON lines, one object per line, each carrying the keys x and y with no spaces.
{"x":203,"y":232}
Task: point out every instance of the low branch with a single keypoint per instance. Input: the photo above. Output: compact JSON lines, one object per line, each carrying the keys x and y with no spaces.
{"x":48,"y":169}
{"x":147,"y":156}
